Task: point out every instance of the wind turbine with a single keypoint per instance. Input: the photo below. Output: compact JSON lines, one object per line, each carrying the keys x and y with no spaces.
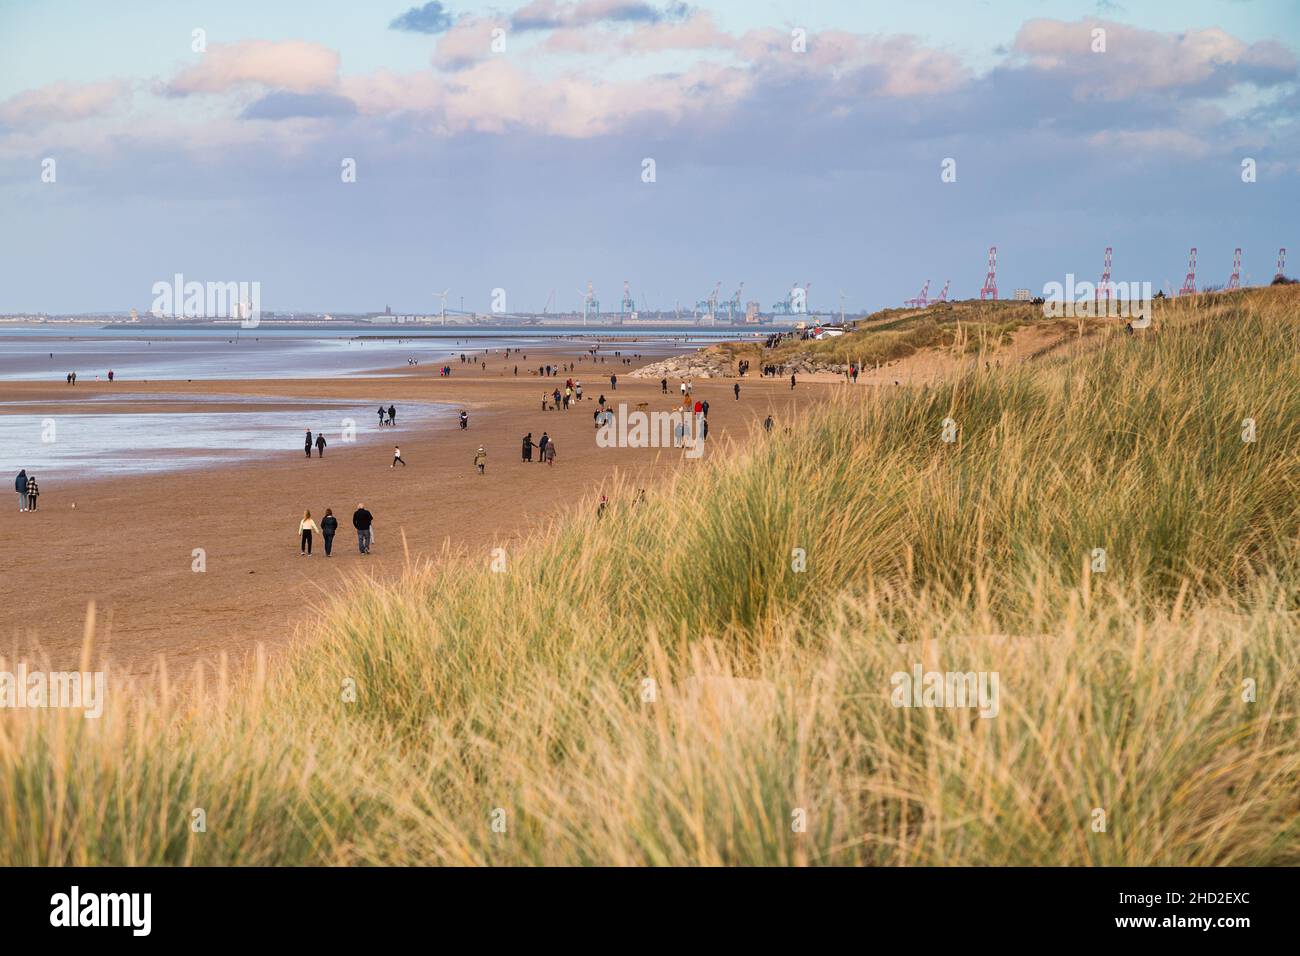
{"x":443,"y":296}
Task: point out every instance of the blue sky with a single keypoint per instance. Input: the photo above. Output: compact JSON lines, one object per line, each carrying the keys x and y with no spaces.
{"x":521,"y":168}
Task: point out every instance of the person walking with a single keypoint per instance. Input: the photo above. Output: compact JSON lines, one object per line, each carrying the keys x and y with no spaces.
{"x":329,"y":526}
{"x":397,"y":456}
{"x":528,"y":447}
{"x":362,"y":520}
{"x":20,"y":486}
{"x":320,"y":444}
{"x":305,"y":528}
{"x":541,"y":447}
{"x":381,"y":416}
{"x":392,"y":414}
{"x":791,"y":381}
{"x":767,"y":424}
{"x":464,"y":420}
{"x":663,"y":385}
{"x":306,"y":445}
{"x":550,"y":452}
{"x":736,"y":388}
{"x":613,"y":383}
{"x":33,"y":492}
{"x":480,"y":459}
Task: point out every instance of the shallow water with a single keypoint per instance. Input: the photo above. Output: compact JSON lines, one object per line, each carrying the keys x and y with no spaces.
{"x":80,"y":444}
{"x":51,"y":352}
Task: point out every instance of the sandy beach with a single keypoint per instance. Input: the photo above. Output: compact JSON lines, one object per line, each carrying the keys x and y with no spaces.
{"x":129,"y":543}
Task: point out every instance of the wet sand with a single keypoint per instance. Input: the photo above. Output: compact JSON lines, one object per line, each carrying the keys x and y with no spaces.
{"x":128,"y":545}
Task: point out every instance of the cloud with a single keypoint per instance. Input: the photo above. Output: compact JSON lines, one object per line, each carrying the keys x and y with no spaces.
{"x":64,"y":102}
{"x":849,"y":64}
{"x":430,"y":18}
{"x":468,"y":42}
{"x":499,"y":96}
{"x":1135,"y":61}
{"x":281,"y":105}
{"x":294,"y":65}
{"x":554,"y":15}
{"x":698,"y":32}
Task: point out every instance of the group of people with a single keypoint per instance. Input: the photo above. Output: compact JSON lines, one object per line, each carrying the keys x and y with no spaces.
{"x":387,"y":416}
{"x":319,"y":443}
{"x":72,"y":378}
{"x":362,"y":520}
{"x":572,"y":393}
{"x":28,"y":491}
{"x":545,"y":448}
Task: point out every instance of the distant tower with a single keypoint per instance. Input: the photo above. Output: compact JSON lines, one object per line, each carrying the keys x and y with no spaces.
{"x":943,"y":296}
{"x":990,"y":290}
{"x":1189,"y":283}
{"x":1234,"y":280}
{"x":1104,"y":284}
{"x":1281,"y":264}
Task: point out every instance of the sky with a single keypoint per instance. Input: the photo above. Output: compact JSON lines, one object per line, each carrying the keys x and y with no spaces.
{"x":862,"y":147}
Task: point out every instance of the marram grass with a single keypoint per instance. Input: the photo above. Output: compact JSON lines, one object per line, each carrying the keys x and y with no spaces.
{"x":662,"y":687}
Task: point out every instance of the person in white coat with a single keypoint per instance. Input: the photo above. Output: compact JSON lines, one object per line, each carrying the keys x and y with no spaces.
{"x":305,"y":528}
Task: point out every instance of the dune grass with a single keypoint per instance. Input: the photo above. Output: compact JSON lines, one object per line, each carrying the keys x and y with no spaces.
{"x":971,"y":327}
{"x":704,"y":676}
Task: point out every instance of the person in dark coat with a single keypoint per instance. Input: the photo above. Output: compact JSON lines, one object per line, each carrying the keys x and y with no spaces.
{"x":362,"y":520}
{"x":307,"y":443}
{"x":320,"y":445}
{"x":20,"y":486}
{"x":528,"y":447}
{"x":329,"y":526}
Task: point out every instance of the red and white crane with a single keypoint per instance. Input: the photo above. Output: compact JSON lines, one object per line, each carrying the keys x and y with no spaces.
{"x":990,"y":289}
{"x":943,"y":296}
{"x":1234,"y":280}
{"x":922,"y":300}
{"x":1104,"y":284}
{"x":1189,"y":283}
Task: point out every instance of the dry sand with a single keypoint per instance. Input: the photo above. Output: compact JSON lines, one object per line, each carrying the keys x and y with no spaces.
{"x":128,"y":545}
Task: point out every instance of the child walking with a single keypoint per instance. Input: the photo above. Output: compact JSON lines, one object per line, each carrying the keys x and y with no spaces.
{"x":305,"y":528}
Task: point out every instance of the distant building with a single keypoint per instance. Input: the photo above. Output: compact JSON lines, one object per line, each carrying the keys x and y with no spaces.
{"x":1021,"y":295}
